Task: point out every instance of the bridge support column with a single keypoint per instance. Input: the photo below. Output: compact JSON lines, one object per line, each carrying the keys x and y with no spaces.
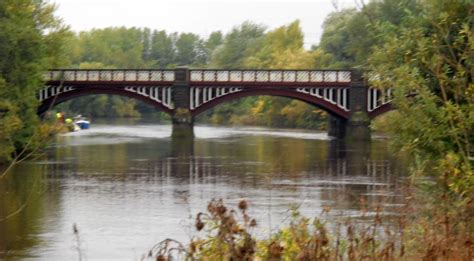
{"x":183,"y":121}
{"x":358,"y":125}
{"x":336,"y":127}
{"x":182,"y":147}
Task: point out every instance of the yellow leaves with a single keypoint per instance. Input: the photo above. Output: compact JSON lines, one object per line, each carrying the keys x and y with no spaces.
{"x":456,"y":174}
{"x":92,"y":65}
{"x":283,"y":49}
{"x":47,"y":130}
{"x":320,"y":58}
{"x":9,"y":120}
{"x":292,"y":59}
{"x":258,"y":108}
{"x":286,"y":37}
{"x":319,"y":112}
{"x":294,"y":110}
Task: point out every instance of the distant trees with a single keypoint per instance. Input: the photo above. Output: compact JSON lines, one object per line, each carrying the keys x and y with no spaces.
{"x":120,"y":47}
{"x":251,"y":46}
{"x":350,"y":35}
{"x":237,"y":46}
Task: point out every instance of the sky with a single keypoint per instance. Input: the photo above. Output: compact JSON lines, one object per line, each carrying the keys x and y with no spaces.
{"x":199,"y":16}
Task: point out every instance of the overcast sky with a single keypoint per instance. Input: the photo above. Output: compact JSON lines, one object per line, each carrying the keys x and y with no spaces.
{"x":199,"y":16}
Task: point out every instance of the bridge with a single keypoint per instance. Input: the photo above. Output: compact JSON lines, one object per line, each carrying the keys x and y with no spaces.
{"x":185,"y":93}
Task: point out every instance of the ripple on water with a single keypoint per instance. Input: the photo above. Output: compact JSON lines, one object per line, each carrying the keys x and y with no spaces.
{"x":106,"y":134}
{"x":207,"y":132}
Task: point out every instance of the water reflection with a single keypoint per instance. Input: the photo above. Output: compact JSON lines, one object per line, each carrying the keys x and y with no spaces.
{"x":127,"y":190}
{"x":25,"y":199}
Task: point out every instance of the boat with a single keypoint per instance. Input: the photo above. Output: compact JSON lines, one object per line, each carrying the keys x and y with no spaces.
{"x":82,"y":122}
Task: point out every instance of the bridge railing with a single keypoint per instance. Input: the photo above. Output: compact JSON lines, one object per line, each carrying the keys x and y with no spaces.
{"x":270,"y":76}
{"x":201,"y":76}
{"x":118,"y":75}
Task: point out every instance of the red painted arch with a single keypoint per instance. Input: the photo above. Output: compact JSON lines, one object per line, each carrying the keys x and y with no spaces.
{"x":381,"y":110}
{"x":65,"y":96}
{"x":331,"y":108}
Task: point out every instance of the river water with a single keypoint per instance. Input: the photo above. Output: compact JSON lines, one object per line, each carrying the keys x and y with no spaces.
{"x":129,"y":186}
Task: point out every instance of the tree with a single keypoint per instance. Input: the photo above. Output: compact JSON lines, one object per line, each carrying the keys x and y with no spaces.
{"x":31,"y":40}
{"x":118,"y":47}
{"x":231,"y":53}
{"x":240,"y":43}
{"x":349,"y":35}
{"x":213,"y":42}
{"x":428,"y":60}
{"x":113,"y":47}
{"x":283,"y":49}
{"x":189,"y":49}
{"x":280,"y":48}
{"x":162,"y":49}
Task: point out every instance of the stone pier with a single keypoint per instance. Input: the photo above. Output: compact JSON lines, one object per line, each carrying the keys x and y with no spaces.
{"x":182,"y":120}
{"x":357,"y":127}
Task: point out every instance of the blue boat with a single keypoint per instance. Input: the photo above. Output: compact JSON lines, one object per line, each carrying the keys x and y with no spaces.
{"x":82,"y":122}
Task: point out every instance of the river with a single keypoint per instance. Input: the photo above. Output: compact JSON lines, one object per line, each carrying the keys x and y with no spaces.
{"x":129,"y":186}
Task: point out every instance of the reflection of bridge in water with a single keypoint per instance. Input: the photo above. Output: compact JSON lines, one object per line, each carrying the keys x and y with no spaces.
{"x":347,"y":175}
{"x":199,"y":169}
{"x":336,"y":174}
{"x":184,"y":93}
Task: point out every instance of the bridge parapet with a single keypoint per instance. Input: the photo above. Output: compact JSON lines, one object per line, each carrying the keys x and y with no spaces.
{"x":270,"y":76}
{"x":286,"y":77}
{"x":114,"y":75}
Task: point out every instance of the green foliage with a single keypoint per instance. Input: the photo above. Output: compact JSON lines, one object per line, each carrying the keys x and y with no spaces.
{"x":162,"y":52}
{"x":213,"y":42}
{"x":428,"y":59}
{"x":282,"y":48}
{"x":120,"y":47}
{"x":350,"y":35}
{"x":30,"y":42}
{"x":248,"y":46}
{"x":190,"y":50}
{"x":337,"y":38}
{"x":10,"y":123}
{"x":239,"y":44}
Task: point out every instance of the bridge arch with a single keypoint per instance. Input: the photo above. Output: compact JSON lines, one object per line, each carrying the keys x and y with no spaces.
{"x":379,"y":101}
{"x":72,"y":93}
{"x":381,"y":110}
{"x":327,"y":106}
